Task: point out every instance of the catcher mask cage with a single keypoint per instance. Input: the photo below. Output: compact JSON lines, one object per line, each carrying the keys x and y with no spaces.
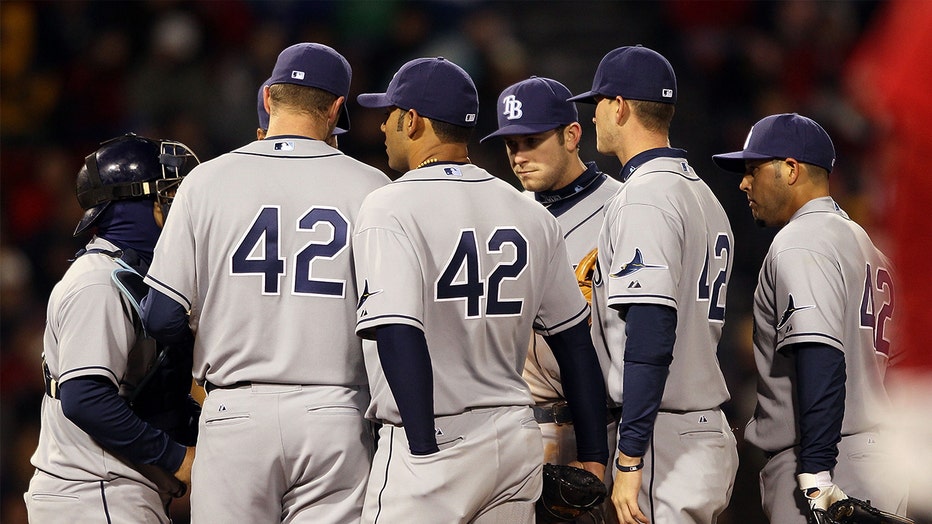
{"x":131,"y":167}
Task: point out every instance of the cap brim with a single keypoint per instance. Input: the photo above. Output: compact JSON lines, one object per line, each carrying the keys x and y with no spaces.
{"x":374,"y":100}
{"x":586,"y":98}
{"x":90,"y":216}
{"x":735,"y":162}
{"x":521,"y":129}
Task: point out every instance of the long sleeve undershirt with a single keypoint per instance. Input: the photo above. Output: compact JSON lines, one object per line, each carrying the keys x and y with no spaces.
{"x":650,"y":330}
{"x":820,"y":390}
{"x":94,"y":405}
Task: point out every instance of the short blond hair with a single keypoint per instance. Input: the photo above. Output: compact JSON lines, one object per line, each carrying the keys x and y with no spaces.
{"x":301,"y":99}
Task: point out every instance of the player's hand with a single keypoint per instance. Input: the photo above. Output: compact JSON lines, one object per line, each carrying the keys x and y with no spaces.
{"x":184,"y":470}
{"x":625,"y":492}
{"x":595,"y":468}
{"x":820,"y":493}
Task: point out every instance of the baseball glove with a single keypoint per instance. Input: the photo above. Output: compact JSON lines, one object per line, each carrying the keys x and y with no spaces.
{"x":857,"y":511}
{"x":584,"y":271}
{"x":568,"y":493}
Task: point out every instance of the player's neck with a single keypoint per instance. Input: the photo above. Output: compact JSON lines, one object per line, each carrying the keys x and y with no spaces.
{"x":438,"y":153}
{"x":637,"y":141}
{"x":298,"y":125}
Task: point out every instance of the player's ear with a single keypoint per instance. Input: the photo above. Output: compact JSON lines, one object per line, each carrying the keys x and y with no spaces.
{"x":793,"y":170}
{"x":413,"y":123}
{"x":572,"y":134}
{"x":622,"y":110}
{"x":334,"y":112}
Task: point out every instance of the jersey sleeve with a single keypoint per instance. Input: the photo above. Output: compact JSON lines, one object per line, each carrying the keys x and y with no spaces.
{"x":810,"y":293}
{"x":563,"y":304}
{"x":389,"y":280}
{"x":97,"y":333}
{"x":173,"y":267}
{"x":646,"y":263}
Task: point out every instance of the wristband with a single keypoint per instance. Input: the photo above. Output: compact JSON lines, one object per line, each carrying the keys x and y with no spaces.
{"x":630,"y":469}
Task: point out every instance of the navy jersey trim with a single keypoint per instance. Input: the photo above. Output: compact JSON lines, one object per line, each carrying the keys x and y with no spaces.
{"x":169,"y":288}
{"x":370,"y":320}
{"x":85,"y":368}
{"x":691,"y":179}
{"x":444,"y":180}
{"x":574,"y":318}
{"x":671,"y":299}
{"x":296,"y":157}
{"x":820,"y":335}
{"x":583,"y":221}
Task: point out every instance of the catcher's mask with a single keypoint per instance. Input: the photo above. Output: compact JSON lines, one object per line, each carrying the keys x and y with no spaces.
{"x":131,"y":167}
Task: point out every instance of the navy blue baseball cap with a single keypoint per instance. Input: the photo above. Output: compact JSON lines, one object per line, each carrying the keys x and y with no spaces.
{"x":533,"y":106}
{"x":786,"y":135}
{"x":434,"y":87}
{"x":314,"y":65}
{"x":633,"y":72}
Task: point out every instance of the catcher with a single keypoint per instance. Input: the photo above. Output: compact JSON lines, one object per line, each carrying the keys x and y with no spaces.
{"x":114,"y":444}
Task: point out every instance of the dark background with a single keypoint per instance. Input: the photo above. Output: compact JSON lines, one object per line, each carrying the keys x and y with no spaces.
{"x":75,"y":73}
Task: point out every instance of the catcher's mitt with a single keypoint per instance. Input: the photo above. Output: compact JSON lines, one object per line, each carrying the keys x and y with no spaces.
{"x":568,"y":493}
{"x":584,"y":271}
{"x":857,"y":511}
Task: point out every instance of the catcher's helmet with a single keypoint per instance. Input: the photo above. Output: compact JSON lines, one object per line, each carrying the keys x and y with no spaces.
{"x":131,"y":167}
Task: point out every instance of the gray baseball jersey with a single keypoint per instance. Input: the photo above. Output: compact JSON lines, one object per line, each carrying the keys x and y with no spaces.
{"x":822,"y":281}
{"x":90,"y":331}
{"x":460,"y":254}
{"x":666,"y":240}
{"x":257,"y":247}
{"x":580,"y":225}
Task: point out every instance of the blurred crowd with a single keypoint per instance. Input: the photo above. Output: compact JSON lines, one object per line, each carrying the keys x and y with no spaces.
{"x":77,"y":72}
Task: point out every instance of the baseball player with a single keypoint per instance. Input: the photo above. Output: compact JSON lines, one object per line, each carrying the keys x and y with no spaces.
{"x":823,"y":327}
{"x":541,"y":133}
{"x":263,"y":128}
{"x":665,"y":256}
{"x":455,"y":268}
{"x":270,"y":295}
{"x":97,"y":460}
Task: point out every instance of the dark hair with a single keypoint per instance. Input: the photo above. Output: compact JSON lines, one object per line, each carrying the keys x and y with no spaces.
{"x":451,"y":133}
{"x":655,"y":116}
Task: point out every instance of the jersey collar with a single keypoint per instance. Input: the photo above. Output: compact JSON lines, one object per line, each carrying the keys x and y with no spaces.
{"x":560,"y":200}
{"x":819,"y":205}
{"x":644,"y":156}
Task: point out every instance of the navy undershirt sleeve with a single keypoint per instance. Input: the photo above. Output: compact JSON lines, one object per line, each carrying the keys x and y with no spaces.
{"x":584,"y":388}
{"x":820,"y":390}
{"x":650,"y":330}
{"x":94,"y":405}
{"x":165,"y":319}
{"x":407,"y":368}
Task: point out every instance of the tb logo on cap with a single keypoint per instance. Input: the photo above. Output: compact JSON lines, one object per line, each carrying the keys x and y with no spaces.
{"x":512,"y":107}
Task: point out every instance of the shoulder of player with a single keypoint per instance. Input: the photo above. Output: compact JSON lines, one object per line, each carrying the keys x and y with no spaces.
{"x":89,"y":280}
{"x":809,"y":237}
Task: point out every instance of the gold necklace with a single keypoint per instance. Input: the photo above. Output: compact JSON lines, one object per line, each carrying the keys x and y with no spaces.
{"x":427,"y":162}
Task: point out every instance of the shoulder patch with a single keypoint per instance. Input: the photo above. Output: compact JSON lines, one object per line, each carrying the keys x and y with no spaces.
{"x":791,"y":308}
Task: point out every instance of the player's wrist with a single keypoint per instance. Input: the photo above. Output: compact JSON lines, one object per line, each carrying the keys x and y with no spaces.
{"x":627,"y":466}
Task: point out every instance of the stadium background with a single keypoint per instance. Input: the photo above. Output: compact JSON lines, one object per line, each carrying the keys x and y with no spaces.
{"x":75,"y":73}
